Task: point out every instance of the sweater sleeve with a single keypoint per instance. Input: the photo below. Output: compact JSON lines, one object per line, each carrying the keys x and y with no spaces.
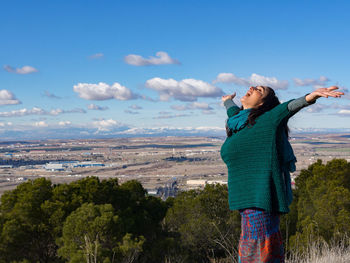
{"x":231,"y":108}
{"x":288,"y":109}
{"x":298,"y":104}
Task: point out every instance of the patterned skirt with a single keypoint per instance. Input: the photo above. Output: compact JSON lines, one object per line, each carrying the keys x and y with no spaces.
{"x":261,"y":240}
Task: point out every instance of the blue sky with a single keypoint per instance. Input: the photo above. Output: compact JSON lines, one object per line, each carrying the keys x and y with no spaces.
{"x":119,"y":68}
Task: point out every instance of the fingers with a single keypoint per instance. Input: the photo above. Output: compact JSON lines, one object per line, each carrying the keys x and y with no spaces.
{"x":321,"y":94}
{"x":226,"y":97}
{"x":334,"y":93}
{"x":332,"y":88}
{"x":326,"y":94}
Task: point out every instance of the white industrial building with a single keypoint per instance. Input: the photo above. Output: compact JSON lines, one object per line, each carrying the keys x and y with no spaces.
{"x":61,"y":166}
{"x":54,"y":167}
{"x":201,"y":183}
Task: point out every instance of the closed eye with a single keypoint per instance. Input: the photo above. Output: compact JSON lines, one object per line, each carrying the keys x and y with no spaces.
{"x":260,"y":89}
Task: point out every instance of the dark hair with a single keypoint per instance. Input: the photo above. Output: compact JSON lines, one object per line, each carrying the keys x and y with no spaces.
{"x":269,"y":102}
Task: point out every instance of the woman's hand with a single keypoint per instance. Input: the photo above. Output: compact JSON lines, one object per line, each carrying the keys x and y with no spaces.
{"x":228,"y":97}
{"x":323,"y":92}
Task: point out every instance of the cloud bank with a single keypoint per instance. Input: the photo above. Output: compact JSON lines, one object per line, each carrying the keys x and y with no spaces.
{"x":253,"y":80}
{"x":206,"y":109}
{"x":311,"y":82}
{"x":344,"y":112}
{"x":170,"y":116}
{"x":162,"y":58}
{"x":184,"y":90}
{"x":38,"y":111}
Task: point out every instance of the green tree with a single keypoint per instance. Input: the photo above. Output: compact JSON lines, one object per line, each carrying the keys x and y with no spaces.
{"x":90,"y":234}
{"x":32,"y":219}
{"x":26,"y":232}
{"x":130,"y":248}
{"x":142,"y":215}
{"x":66,"y":198}
{"x":322,"y":203}
{"x":206,"y":227}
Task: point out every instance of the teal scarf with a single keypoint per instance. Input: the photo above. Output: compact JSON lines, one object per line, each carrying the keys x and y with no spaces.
{"x":240,"y":120}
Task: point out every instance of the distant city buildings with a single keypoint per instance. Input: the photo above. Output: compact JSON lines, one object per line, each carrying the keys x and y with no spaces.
{"x":200,"y":183}
{"x":170,"y":189}
{"x":64,"y":165}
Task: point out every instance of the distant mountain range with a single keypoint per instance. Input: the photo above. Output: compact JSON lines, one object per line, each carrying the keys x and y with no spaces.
{"x":122,"y":132}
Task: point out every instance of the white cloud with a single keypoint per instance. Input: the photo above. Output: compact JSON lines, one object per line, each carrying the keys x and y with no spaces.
{"x":105,"y":125}
{"x":316,"y":108}
{"x":5,"y":124}
{"x":60,"y":111}
{"x":253,"y":80}
{"x":103,"y":91}
{"x":22,"y":70}
{"x":96,"y":107}
{"x":147,"y":98}
{"x":200,"y":105}
{"x":346,"y":92}
{"x":40,"y":124}
{"x":340,"y":106}
{"x":311,"y":82}
{"x":131,"y":112}
{"x":64,"y":123}
{"x":164,"y":112}
{"x":135,"y":107}
{"x":170,"y":116}
{"x":38,"y":111}
{"x":161,"y":58}
{"x":344,"y":112}
{"x":96,"y":56}
{"x":206,"y":109}
{"x":206,"y":129}
{"x":179,"y":107}
{"x":56,"y":111}
{"x":161,"y":131}
{"x":184,"y":90}
{"x":8,"y":98}
{"x":23,"y":112}
{"x":51,"y":95}
{"x":208,"y":112}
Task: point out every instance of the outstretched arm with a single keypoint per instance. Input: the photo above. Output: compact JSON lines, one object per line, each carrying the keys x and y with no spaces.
{"x":289,"y":108}
{"x":323,"y":92}
{"x":230,"y":106}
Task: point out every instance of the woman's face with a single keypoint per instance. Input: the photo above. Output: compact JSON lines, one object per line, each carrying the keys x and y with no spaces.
{"x":254,"y":97}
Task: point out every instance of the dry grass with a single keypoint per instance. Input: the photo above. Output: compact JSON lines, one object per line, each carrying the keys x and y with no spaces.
{"x":321,"y":252}
{"x":317,"y":252}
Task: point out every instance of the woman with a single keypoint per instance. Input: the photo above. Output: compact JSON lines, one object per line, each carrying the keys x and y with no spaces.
{"x":259,"y":158}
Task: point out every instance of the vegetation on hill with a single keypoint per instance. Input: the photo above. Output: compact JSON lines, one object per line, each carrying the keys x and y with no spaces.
{"x":103,"y":221}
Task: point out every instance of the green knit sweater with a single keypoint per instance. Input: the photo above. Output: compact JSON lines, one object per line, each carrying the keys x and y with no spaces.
{"x":251,"y":156}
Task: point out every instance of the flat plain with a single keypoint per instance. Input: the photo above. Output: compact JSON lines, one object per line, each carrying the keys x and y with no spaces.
{"x":155,"y":161}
